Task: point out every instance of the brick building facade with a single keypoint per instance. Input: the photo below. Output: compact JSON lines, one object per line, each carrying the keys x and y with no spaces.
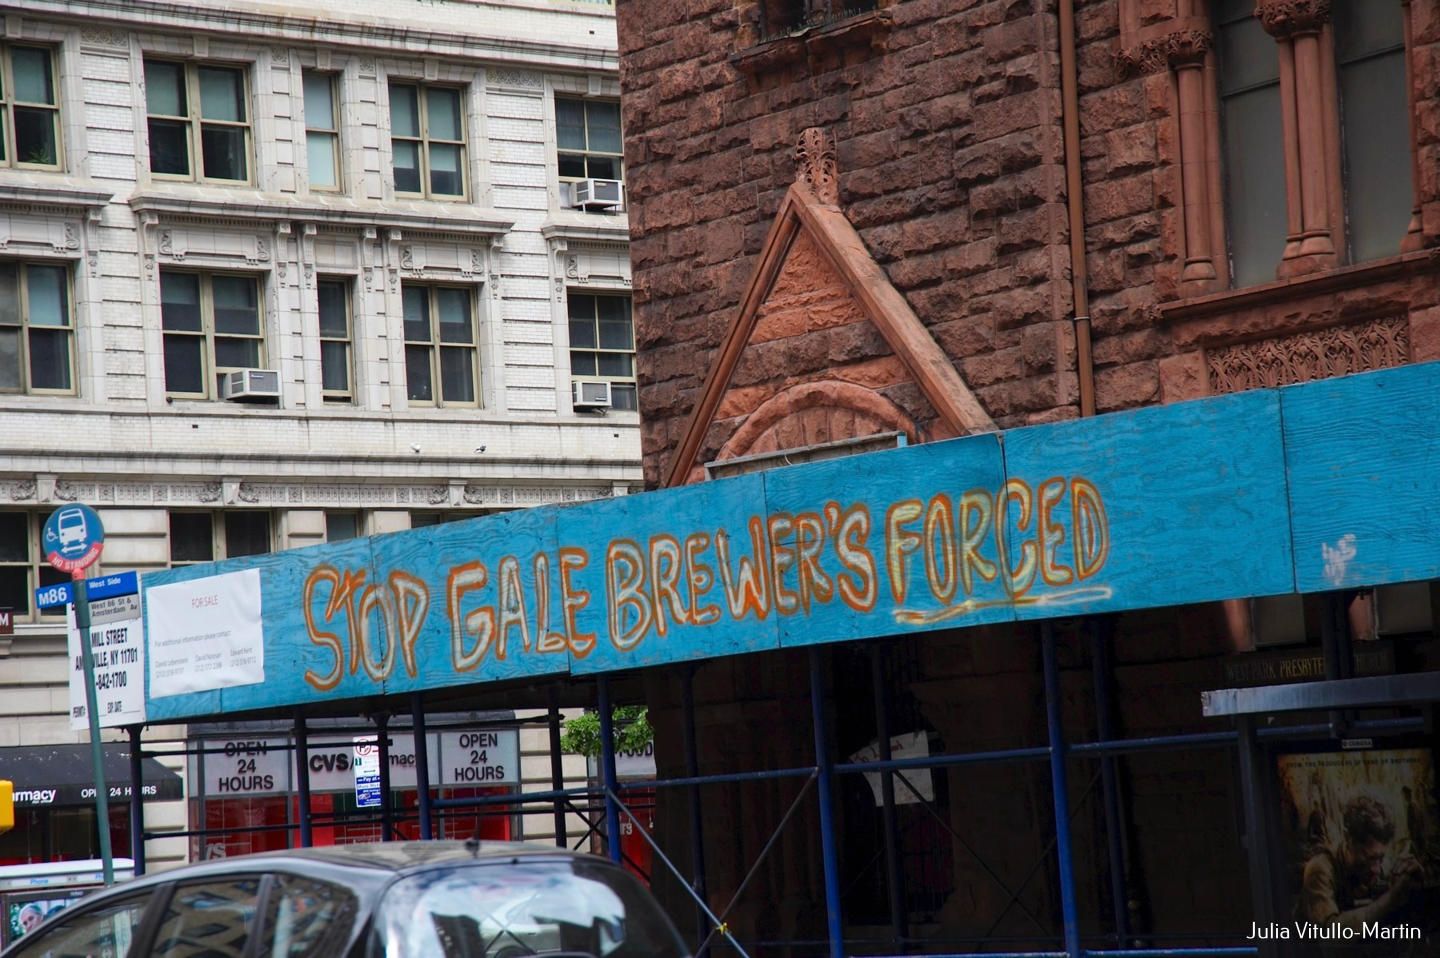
{"x":925,"y":218}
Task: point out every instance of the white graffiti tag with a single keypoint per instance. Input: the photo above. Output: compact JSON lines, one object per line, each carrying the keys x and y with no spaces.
{"x":1337,"y":558}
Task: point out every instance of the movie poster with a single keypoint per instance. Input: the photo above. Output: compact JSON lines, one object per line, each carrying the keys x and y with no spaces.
{"x":1361,"y":850}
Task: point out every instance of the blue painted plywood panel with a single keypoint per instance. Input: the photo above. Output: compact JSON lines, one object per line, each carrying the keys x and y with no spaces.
{"x":293,"y":663}
{"x":471,"y":601}
{"x":887,"y":542}
{"x":1160,"y":506}
{"x":1363,"y":454}
{"x":672,"y":576}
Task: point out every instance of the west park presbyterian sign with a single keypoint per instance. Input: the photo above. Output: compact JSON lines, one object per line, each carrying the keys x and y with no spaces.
{"x":1308,"y":488}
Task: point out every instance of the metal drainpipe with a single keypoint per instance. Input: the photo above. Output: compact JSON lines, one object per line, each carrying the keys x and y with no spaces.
{"x":1075,"y":202}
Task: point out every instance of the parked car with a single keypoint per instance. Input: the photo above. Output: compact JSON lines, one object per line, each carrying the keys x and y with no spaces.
{"x":393,"y":900}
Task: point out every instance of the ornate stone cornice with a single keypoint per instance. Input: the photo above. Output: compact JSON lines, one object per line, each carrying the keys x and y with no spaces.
{"x":294,"y":495}
{"x":1288,"y":18}
{"x":815,"y":165}
{"x":1170,"y":51}
{"x":1319,"y":354}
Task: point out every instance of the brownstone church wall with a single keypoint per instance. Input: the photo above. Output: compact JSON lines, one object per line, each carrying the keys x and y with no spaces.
{"x":949,"y":156}
{"x":947,"y":120}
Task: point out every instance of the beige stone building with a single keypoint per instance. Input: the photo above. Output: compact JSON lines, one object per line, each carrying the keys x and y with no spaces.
{"x":279,"y":274}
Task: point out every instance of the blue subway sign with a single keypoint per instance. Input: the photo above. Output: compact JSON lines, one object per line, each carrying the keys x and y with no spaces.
{"x":1313,"y":487}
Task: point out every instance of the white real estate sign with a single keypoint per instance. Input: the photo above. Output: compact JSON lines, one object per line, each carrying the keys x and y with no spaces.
{"x":205,"y":634}
{"x":117,"y":644}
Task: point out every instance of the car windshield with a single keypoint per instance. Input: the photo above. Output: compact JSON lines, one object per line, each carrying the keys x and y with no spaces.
{"x":510,"y":909}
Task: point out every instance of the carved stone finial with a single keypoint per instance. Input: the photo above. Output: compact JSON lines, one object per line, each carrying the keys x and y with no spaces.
{"x":815,"y":165}
{"x":1287,"y":18}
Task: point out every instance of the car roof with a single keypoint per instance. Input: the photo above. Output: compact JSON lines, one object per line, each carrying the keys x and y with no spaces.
{"x":361,"y":866}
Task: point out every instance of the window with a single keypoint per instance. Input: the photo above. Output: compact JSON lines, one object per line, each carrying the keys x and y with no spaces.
{"x":1350,"y":199}
{"x":440,"y":348}
{"x":212,"y":325}
{"x":322,"y":131}
{"x":306,"y":917}
{"x":340,"y":526}
{"x":1375,"y":126}
{"x":37,"y":346}
{"x":587,"y":133}
{"x":1254,"y":153}
{"x":335,"y":340}
{"x":197,"y":537}
{"x":198,"y":110}
{"x":107,"y":930}
{"x":602,"y":344}
{"x":23,"y":568}
{"x":214,"y":919}
{"x":31,"y":116}
{"x":427,"y":130}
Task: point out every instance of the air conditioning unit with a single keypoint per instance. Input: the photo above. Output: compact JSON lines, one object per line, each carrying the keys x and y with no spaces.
{"x":589,"y":395}
{"x":597,"y":194}
{"x":250,"y":385}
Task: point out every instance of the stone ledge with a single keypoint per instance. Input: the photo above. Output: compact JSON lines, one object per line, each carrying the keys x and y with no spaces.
{"x":229,"y":205}
{"x":1345,"y":277}
{"x":809,"y":44}
{"x":52,"y":192}
{"x":586,"y":227}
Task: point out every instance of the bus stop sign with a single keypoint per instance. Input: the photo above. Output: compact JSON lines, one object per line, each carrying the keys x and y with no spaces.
{"x":73,"y":538}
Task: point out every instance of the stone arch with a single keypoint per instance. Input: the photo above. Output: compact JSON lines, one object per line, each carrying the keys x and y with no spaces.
{"x":815,"y":412}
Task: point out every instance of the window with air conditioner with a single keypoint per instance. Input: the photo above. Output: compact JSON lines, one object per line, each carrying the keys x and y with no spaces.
{"x":589,"y":152}
{"x":602,"y":347}
{"x":212,"y":326}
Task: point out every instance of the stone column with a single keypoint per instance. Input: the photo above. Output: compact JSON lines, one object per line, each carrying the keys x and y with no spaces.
{"x":1308,"y":104}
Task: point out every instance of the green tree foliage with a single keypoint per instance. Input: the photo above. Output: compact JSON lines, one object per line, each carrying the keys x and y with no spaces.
{"x":632,"y":731}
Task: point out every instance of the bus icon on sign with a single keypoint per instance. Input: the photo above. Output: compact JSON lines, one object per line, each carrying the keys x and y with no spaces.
{"x":73,"y":531}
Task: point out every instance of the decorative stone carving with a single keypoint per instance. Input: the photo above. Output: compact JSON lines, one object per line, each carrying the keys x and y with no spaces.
{"x":19,"y":491}
{"x":101,"y":37}
{"x":72,"y":236}
{"x":1162,"y":53}
{"x":209,"y":492}
{"x":1287,"y":18}
{"x":439,"y":495}
{"x":92,"y":262}
{"x":246,"y":493}
{"x":1338,"y":351}
{"x":366,"y":66}
{"x":516,"y":80}
{"x":280,"y":57}
{"x":815,"y":165}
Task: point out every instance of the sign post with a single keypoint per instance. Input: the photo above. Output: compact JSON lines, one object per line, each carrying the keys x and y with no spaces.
{"x":73,"y":538}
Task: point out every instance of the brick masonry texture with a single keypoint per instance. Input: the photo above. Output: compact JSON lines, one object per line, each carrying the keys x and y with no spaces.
{"x":950,"y":153}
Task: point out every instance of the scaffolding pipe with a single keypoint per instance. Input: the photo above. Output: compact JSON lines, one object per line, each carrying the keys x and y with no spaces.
{"x":422,"y":766}
{"x":880,"y":692}
{"x":608,"y":777}
{"x":835,"y":922}
{"x":697,"y":822}
{"x":1060,"y":785}
{"x":387,"y":819}
{"x":137,"y":803}
{"x":302,"y":779}
{"x":557,"y":768}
